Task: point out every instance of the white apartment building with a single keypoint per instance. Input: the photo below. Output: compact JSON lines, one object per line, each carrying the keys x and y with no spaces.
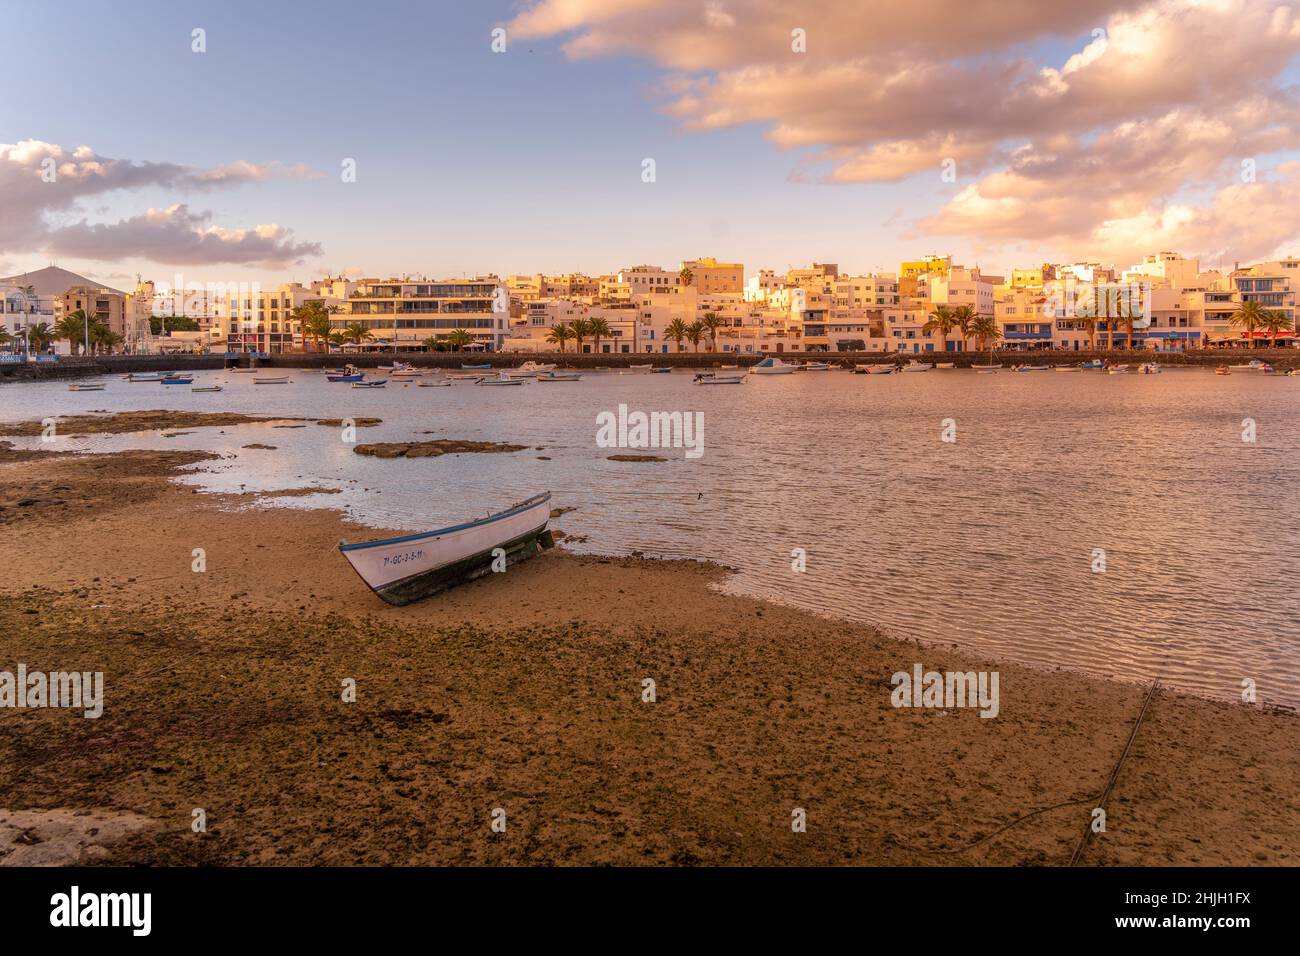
{"x":401,"y":314}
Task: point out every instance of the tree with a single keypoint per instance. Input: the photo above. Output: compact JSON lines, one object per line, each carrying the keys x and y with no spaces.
{"x":712,"y":323}
{"x":458,"y":339}
{"x":105,"y":339}
{"x":599,"y":329}
{"x":1275,"y":323}
{"x":39,"y":336}
{"x":73,"y":328}
{"x":1249,"y":317}
{"x":1127,"y":317}
{"x":676,"y":330}
{"x":985,"y":329}
{"x":686,"y":275}
{"x":5,"y":337}
{"x":963,"y":317}
{"x":559,"y":334}
{"x":580,"y":329}
{"x":694,"y":332}
{"x":314,"y":320}
{"x":941,"y":321}
{"x":337,"y":337}
{"x":356,"y":333}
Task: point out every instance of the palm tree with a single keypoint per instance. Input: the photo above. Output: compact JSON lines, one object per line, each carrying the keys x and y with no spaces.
{"x":985,"y":329}
{"x":964,"y":317}
{"x":1110,"y":317}
{"x":1275,"y":323}
{"x":433,"y":343}
{"x":314,"y":320}
{"x":676,"y":330}
{"x":579,"y":329}
{"x":687,"y":276}
{"x":712,"y":323}
{"x":40,"y":335}
{"x":1128,"y":315}
{"x":337,"y":337}
{"x":1249,"y":318}
{"x":5,"y":337}
{"x":102,"y":337}
{"x":598,"y":328}
{"x":694,"y":332}
{"x":559,"y":334}
{"x":73,"y":328}
{"x":356,"y":333}
{"x":941,"y":321}
{"x":458,"y":339}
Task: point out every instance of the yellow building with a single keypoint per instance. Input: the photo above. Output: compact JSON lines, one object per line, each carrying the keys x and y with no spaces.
{"x":709,"y":275}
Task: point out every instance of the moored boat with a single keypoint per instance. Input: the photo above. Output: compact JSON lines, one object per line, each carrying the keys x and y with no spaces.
{"x":639,"y":369}
{"x":559,"y":377}
{"x":815,"y":367}
{"x":1029,"y":368}
{"x":719,"y":380}
{"x":879,"y":368}
{"x":275,"y":380}
{"x":441,"y":383}
{"x":148,"y":376}
{"x":1149,"y":368}
{"x":483,"y":366}
{"x":772,"y":366}
{"x":86,"y":388}
{"x":410,"y":567}
{"x":530,"y":369}
{"x":376,"y":383}
{"x":945,"y":365}
{"x":177,"y":380}
{"x":501,"y":379}
{"x":206,"y":388}
{"x":353,"y":377}
{"x":1224,"y":370}
{"x":914,"y":366}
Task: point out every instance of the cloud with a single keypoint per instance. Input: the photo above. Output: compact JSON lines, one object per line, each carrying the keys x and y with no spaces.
{"x":45,"y":187}
{"x":1162,"y":100}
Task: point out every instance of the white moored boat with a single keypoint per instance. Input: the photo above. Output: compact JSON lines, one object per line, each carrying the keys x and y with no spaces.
{"x":914,"y":366}
{"x":772,"y":366}
{"x":879,"y":368}
{"x":638,"y":370}
{"x":414,"y":566}
{"x":530,"y":369}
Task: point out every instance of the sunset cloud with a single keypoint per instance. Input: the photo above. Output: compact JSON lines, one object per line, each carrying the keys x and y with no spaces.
{"x":45,"y":186}
{"x":1161,"y":100}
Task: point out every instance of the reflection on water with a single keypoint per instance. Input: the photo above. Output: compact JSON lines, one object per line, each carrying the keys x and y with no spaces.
{"x":987,"y":542}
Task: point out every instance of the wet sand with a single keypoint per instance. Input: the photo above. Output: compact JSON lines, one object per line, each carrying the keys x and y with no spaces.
{"x":523,"y":691}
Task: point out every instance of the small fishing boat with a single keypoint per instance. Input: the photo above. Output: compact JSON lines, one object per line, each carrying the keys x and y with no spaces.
{"x":662,"y":371}
{"x":1065,"y":368}
{"x":559,"y":377}
{"x":639,"y":369}
{"x":1030,"y":368}
{"x":530,"y":369}
{"x":772,"y":366}
{"x":1267,"y":370}
{"x":413,"y":566}
{"x":410,"y":372}
{"x":728,"y":366}
{"x":463,"y":377}
{"x":206,"y":388}
{"x":1149,"y":368}
{"x":1253,"y":365}
{"x":1224,"y":370}
{"x":986,"y":371}
{"x":395,"y":367}
{"x":879,"y":368}
{"x":945,"y":365}
{"x":987,"y":368}
{"x":441,"y":383}
{"x":86,"y":388}
{"x":148,"y":376}
{"x":1092,"y":363}
{"x":501,"y":379}
{"x":484,"y":365}
{"x":1120,"y":367}
{"x":377,"y":383}
{"x":815,"y":367}
{"x":275,"y":380}
{"x":244,"y":371}
{"x":177,"y":380}
{"x":353,"y":377}
{"x":719,"y":380}
{"x":914,"y":366}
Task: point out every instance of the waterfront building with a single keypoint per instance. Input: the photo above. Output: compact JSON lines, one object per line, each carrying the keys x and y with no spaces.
{"x":260,"y":321}
{"x":401,"y":314}
{"x":709,"y":275}
{"x":18,"y":309}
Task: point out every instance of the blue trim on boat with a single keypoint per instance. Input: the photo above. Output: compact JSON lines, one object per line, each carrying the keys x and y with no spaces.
{"x":522,"y":506}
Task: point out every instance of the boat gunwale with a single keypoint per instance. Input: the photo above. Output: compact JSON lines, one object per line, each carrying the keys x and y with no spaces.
{"x":525,"y":505}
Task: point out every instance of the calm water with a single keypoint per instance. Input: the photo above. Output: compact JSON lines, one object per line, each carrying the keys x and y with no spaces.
{"x":987,"y":542}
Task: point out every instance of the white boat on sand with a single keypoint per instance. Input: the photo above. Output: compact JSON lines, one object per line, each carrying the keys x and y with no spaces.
{"x":407,"y":568}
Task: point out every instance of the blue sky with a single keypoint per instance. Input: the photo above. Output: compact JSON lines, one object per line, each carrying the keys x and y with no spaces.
{"x":471,"y":161}
{"x":468,"y":161}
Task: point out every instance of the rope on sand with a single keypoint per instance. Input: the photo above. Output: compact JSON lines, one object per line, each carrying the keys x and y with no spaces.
{"x":1114,"y":774}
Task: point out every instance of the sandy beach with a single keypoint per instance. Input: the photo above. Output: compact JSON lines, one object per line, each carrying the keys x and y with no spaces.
{"x":223,"y":692}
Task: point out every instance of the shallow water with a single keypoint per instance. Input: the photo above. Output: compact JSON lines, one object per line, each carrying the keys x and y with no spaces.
{"x":987,"y":542}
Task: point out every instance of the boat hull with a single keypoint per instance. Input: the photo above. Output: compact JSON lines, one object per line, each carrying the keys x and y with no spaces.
{"x":412,"y":567}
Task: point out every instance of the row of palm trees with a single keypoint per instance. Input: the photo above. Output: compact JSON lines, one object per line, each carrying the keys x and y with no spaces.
{"x":579,"y":330}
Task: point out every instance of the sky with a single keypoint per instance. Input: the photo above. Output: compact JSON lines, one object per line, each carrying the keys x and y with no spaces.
{"x":1003,"y":132}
